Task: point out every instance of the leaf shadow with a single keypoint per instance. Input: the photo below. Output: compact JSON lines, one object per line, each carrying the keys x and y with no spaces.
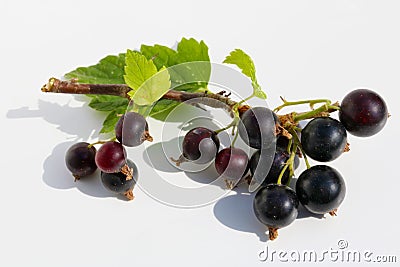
{"x":67,"y":119}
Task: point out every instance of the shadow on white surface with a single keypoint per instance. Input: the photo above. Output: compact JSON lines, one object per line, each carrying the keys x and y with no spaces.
{"x":68,"y":119}
{"x":155,"y":157}
{"x":236,"y":212}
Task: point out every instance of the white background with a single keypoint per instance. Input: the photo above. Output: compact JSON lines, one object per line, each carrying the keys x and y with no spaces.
{"x":302,"y":49}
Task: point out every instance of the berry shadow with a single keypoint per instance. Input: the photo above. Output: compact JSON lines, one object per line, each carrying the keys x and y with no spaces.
{"x":154,"y":156}
{"x":56,"y":175}
{"x":236,"y":212}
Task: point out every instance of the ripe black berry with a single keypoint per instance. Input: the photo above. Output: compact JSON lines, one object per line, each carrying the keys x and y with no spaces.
{"x":199,"y":145}
{"x":119,"y":182}
{"x":324,"y":139}
{"x":257,"y":127}
{"x":232,"y":163}
{"x":269,"y":175}
{"x":321,"y":189}
{"x":80,"y":159}
{"x":363,"y":112}
{"x":132,"y":129}
{"x":276,"y":206}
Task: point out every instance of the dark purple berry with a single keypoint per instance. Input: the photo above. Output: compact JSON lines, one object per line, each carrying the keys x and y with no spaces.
{"x":80,"y":160}
{"x":363,"y":113}
{"x":111,"y":157}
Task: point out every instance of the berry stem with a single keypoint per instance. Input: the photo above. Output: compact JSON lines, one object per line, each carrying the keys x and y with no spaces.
{"x":294,"y":103}
{"x":289,"y":164}
{"x":298,"y":142}
{"x":234,"y":123}
{"x":101,"y":142}
{"x":322,"y":111}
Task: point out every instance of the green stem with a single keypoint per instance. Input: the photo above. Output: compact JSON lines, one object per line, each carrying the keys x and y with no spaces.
{"x":101,"y":142}
{"x":234,"y":123}
{"x":294,"y":103}
{"x":246,"y":99}
{"x":289,"y":164}
{"x":234,"y":139}
{"x":298,"y":142}
{"x":291,"y":167}
{"x":315,"y":112}
{"x":282,"y":172}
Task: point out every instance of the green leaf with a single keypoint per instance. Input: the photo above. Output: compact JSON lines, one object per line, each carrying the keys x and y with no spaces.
{"x":109,"y":70}
{"x":162,"y":56}
{"x":191,"y":50}
{"x":239,"y":58}
{"x":258,"y":92}
{"x":107,"y":103}
{"x":137,"y":70}
{"x":147,"y":84}
{"x":243,"y":61}
{"x":186,"y":76}
{"x":152,"y":89}
{"x":111,"y":120}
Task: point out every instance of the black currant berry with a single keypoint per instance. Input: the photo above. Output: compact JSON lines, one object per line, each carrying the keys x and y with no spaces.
{"x":270,"y":175}
{"x":199,"y":145}
{"x":321,"y":189}
{"x":276,"y":206}
{"x":119,"y":182}
{"x":363,"y":113}
{"x":111,"y":157}
{"x":257,"y":127}
{"x":132,"y":129}
{"x":80,"y":160}
{"x":324,"y":139}
{"x":232,"y":163}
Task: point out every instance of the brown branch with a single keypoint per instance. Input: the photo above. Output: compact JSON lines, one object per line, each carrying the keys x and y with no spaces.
{"x":209,"y":99}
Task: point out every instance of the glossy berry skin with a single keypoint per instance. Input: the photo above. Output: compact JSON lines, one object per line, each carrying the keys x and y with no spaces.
{"x":363,"y":113}
{"x":80,"y":159}
{"x":131,"y":129}
{"x":270,"y":175}
{"x":232,"y":163}
{"x":200,"y":144}
{"x":257,"y":127}
{"x":324,"y":139}
{"x":276,"y":206}
{"x":111,"y":157}
{"x":321,"y":189}
{"x":117,"y":182}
